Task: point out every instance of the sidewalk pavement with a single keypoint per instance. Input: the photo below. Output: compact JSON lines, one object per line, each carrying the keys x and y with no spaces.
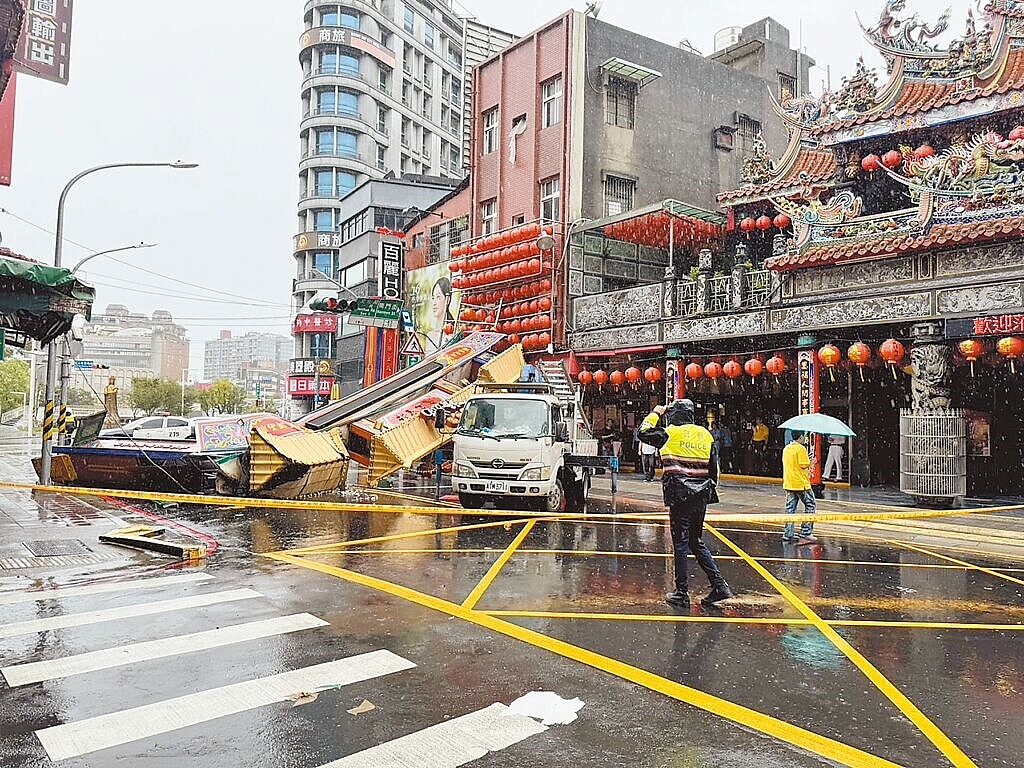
{"x":995,"y":535}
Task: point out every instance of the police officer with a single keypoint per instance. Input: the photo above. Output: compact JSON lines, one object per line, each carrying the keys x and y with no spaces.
{"x":689,"y":459}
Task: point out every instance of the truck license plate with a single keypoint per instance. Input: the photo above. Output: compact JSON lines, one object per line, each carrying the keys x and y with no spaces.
{"x":497,"y":486}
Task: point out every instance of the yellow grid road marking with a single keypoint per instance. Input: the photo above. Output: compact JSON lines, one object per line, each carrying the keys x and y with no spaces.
{"x":971,"y":566}
{"x":492,"y":573}
{"x":931,"y":731}
{"x":753,"y":620}
{"x":749,"y":718}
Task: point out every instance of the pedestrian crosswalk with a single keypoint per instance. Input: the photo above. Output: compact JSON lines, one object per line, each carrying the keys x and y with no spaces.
{"x":133,"y":729}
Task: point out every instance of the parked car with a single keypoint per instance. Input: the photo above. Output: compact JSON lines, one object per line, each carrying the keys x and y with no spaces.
{"x":154,"y":428}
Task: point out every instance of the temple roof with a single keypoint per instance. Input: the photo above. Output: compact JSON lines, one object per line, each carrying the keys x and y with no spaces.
{"x":809,"y":166}
{"x":939,"y":235}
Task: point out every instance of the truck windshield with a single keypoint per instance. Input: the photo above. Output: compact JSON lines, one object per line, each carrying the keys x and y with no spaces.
{"x":505,"y":418}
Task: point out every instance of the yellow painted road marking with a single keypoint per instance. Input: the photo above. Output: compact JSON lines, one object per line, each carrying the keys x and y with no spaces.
{"x":752,"y":620}
{"x":931,"y":731}
{"x":342,"y":545}
{"x":392,"y":509}
{"x":492,"y":573}
{"x":748,"y":718}
{"x":971,"y":566}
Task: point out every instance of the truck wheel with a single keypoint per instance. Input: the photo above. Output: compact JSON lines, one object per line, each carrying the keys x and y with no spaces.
{"x":555,"y":500}
{"x":470,"y":501}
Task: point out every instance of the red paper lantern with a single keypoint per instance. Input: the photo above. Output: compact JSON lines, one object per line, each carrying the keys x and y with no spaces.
{"x":829,"y":355}
{"x":544,"y":339}
{"x":600,"y":378}
{"x":713,"y":370}
{"x":763,"y":223}
{"x":732,"y":369}
{"x":694,"y":371}
{"x":633,"y":374}
{"x":859,"y":353}
{"x":585,"y":378}
{"x":927,"y":150}
{"x":871,"y":163}
{"x":776,"y":365}
{"x":892,"y":352}
{"x":748,"y":224}
{"x":754,"y":368}
{"x":449,"y":329}
{"x":653,"y":374}
{"x":892,"y":159}
{"x":617,"y":378}
{"x":782,"y":221}
{"x":1010,"y":347}
{"x":545,"y":303}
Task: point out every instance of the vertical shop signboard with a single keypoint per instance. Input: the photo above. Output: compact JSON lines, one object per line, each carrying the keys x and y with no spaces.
{"x":672,"y":379}
{"x":809,"y":401}
{"x":389,"y":352}
{"x":389,"y":273}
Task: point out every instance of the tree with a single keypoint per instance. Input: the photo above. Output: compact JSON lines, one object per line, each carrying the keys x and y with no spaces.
{"x":221,"y":397}
{"x":83,"y":397}
{"x":152,"y":395}
{"x":13,"y":379}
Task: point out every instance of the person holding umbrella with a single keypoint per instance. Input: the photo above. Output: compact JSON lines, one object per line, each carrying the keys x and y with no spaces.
{"x":796,"y":482}
{"x":796,"y":466}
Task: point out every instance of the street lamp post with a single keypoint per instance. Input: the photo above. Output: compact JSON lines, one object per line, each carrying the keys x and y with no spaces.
{"x":51,"y":352}
{"x":92,"y":256}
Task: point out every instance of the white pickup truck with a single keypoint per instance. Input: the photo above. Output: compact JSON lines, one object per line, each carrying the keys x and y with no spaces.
{"x":523,"y":447}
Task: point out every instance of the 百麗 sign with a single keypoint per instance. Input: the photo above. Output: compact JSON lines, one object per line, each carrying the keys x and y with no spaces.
{"x":389,"y":273}
{"x":44,"y":48}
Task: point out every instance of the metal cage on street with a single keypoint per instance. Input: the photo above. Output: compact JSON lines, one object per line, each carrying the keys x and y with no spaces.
{"x":933,"y":454}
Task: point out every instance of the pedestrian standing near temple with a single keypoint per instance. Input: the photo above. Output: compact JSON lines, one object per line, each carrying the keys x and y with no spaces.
{"x":647,"y":458}
{"x":834,"y":458}
{"x":689,"y":463}
{"x":759,"y":447}
{"x":796,"y":481}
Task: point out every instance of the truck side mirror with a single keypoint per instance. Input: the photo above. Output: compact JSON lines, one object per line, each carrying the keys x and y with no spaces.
{"x":561,"y":432}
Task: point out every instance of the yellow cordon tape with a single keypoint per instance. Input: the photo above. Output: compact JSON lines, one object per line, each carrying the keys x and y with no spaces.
{"x":335,"y":506}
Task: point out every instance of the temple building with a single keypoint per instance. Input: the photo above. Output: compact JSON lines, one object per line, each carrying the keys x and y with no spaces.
{"x":873,"y":271}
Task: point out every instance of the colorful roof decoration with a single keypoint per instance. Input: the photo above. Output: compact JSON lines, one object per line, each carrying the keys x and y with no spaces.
{"x":808,"y":167}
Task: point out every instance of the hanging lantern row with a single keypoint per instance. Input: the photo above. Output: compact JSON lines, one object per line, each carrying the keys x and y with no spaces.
{"x":893,"y":159}
{"x":1010,"y":347}
{"x":524,"y":234}
{"x":524,"y":260}
{"x":764,"y":223}
{"x":651,"y":375}
{"x":656,"y":229}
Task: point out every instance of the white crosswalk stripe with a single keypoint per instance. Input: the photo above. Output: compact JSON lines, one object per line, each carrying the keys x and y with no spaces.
{"x":58,"y":593}
{"x":124,"y":612}
{"x":34,"y":672}
{"x":448,"y":744}
{"x":96,"y":733}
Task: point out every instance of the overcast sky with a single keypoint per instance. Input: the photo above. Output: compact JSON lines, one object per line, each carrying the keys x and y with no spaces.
{"x":218,"y":83}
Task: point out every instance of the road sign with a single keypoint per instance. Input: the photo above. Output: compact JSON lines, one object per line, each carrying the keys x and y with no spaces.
{"x":407,"y":321}
{"x":84,"y":365}
{"x":413,"y":346}
{"x":380,"y":313}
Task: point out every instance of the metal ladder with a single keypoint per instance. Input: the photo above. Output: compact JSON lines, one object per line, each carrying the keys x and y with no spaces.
{"x":556,"y":374}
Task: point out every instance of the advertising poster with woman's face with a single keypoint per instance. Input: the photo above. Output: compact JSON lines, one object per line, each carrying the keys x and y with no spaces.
{"x":433,"y":304}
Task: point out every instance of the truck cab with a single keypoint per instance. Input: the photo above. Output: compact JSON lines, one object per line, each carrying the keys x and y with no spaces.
{"x":514,"y":446}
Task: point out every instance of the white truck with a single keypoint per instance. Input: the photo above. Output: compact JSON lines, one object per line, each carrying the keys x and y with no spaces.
{"x":526,"y":446}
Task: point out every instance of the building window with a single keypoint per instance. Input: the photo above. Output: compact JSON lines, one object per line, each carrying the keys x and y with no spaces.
{"x":355,"y":274}
{"x":323,"y":221}
{"x":489,"y":216}
{"x":456,"y":91}
{"x":551,"y":99}
{"x":621,"y":102}
{"x":350,"y":20}
{"x":326,"y":102}
{"x":346,"y":182}
{"x":382,"y":161}
{"x":519,"y":220}
{"x":382,"y":78}
{"x":321,"y":346}
{"x":550,"y":209}
{"x":490,"y":131}
{"x":618,"y":195}
{"x":428,"y":35}
{"x":787,"y":84}
{"x":324,"y":183}
{"x":329,"y":19}
{"x":325,"y":142}
{"x":410,"y":20}
{"x":348,"y":103}
{"x":453,"y":156}
{"x":348,"y":64}
{"x":405,"y":132}
{"x":324,"y":261}
{"x":382,"y":119}
{"x":747,"y":126}
{"x":346,"y":144}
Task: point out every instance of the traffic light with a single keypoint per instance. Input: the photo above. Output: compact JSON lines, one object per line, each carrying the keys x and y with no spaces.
{"x":336,"y":306}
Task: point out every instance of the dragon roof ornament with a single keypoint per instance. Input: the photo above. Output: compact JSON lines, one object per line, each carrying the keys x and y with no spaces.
{"x":759,"y":167}
{"x":907,"y":36}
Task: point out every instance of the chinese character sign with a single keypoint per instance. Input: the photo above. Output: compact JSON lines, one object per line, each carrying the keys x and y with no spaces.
{"x":305,"y":386}
{"x":809,"y":401}
{"x":389,"y":277}
{"x":44,"y":49}
{"x":993,"y":326}
{"x":315,"y":323}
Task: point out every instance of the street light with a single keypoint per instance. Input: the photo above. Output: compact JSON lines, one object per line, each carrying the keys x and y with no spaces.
{"x":412,"y":209}
{"x":92,"y":256}
{"x":58,"y":248}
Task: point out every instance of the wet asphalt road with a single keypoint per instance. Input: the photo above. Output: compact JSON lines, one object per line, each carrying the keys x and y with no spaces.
{"x":757,"y":652}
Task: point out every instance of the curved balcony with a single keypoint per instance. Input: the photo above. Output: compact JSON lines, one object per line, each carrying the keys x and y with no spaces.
{"x":350,"y":38}
{"x":316,"y":118}
{"x":359,"y":163}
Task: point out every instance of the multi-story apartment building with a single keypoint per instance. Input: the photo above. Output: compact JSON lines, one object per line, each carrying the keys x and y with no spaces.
{"x":225,"y":357}
{"x":155,"y":346}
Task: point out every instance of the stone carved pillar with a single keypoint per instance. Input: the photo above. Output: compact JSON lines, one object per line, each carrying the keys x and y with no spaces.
{"x":931,"y":358}
{"x":738,"y":288}
{"x":704,"y":264}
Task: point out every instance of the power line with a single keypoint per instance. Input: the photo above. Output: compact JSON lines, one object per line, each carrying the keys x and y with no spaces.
{"x":174,"y":294}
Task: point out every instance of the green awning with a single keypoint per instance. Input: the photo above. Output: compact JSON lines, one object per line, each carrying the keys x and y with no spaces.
{"x":40,"y":301}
